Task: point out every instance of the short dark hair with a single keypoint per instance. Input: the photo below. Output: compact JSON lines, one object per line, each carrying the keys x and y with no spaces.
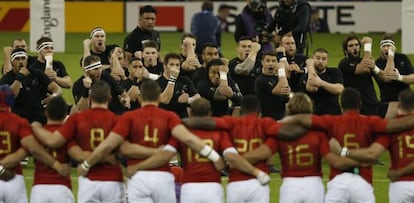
{"x":207,"y":6}
{"x":245,"y":38}
{"x":187,"y":34}
{"x":100,"y":92}
{"x":43,"y":39}
{"x":209,"y":45}
{"x":346,"y":40}
{"x":150,"y":91}
{"x":224,"y":6}
{"x":406,"y":99}
{"x":133,"y":59}
{"x":269,"y":53}
{"x":214,"y":62}
{"x":91,"y":59}
{"x":320,"y":50}
{"x":147,"y":9}
{"x":387,"y":36}
{"x":250,"y":104}
{"x":200,"y":107}
{"x":56,"y":109}
{"x":171,"y":55}
{"x":150,"y":43}
{"x":350,"y":99}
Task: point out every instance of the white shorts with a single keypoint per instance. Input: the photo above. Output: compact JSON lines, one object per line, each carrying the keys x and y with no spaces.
{"x":151,"y":187}
{"x":202,"y":192}
{"x":247,"y":191}
{"x":348,"y":187}
{"x":51,"y":193}
{"x":91,"y":191}
{"x":401,"y":191}
{"x":302,"y":189}
{"x":13,"y":191}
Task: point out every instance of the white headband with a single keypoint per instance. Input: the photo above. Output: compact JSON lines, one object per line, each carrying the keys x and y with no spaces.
{"x":18,"y":54}
{"x":96,"y":31}
{"x":93,"y":66}
{"x":387,"y":42}
{"x":44,"y":45}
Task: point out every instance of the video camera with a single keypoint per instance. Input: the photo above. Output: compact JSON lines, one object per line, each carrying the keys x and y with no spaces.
{"x":284,"y":16}
{"x":258,"y":5}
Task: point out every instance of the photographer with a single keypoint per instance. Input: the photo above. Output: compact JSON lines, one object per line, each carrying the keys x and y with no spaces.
{"x":252,"y":22}
{"x":292,"y":17}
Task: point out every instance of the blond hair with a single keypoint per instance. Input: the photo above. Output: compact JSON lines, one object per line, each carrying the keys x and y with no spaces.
{"x":299,"y":103}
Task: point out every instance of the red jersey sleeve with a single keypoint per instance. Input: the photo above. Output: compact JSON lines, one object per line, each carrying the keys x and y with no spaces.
{"x":173,"y":121}
{"x":270,"y":127}
{"x":224,"y":123}
{"x":225,"y":141}
{"x":322,"y":123}
{"x":378,"y":124}
{"x":25,"y":130}
{"x":122,"y":126}
{"x":383,"y":140}
{"x":68,"y":129}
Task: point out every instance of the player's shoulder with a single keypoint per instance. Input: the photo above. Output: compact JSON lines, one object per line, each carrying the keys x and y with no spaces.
{"x":12,"y":117}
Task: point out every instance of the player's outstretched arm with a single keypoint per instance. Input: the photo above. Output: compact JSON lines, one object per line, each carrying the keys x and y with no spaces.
{"x":289,"y":132}
{"x":397,"y":125}
{"x":369,"y":154}
{"x":395,"y":174}
{"x":53,"y":140}
{"x":304,"y":120}
{"x":158,"y":159}
{"x":39,"y":153}
{"x":12,"y":160}
{"x":185,"y":136}
{"x":243,"y":165}
{"x":203,"y":123}
{"x":106,"y":147}
{"x":76,"y":153}
{"x":263,"y":152}
{"x":136,"y":151}
{"x":341,"y":163}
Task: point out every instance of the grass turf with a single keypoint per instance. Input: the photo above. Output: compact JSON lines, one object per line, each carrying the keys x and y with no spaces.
{"x":170,"y":43}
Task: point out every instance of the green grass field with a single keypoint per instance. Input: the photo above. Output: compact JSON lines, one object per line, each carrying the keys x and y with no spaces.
{"x":170,"y":43}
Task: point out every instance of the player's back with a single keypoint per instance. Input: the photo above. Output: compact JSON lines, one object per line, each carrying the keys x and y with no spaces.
{"x":46,"y":175}
{"x":400,"y":149}
{"x":302,"y":157}
{"x":92,"y":127}
{"x":88,"y":129}
{"x":247,"y":133}
{"x":198,"y":168}
{"x":149,"y":126}
{"x":12,"y":129}
{"x":353,"y":131}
